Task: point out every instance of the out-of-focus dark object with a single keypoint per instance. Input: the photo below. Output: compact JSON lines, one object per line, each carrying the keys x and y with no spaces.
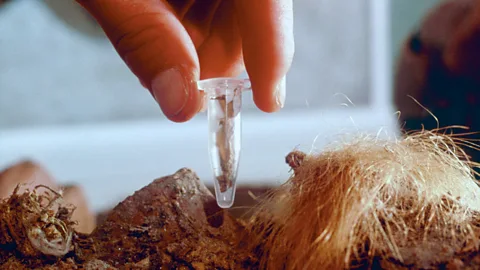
{"x":439,"y":67}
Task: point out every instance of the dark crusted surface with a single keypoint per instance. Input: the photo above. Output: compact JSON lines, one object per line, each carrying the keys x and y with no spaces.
{"x":173,"y":223}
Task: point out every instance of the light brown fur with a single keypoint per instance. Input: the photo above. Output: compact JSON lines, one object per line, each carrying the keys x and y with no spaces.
{"x":396,"y":198}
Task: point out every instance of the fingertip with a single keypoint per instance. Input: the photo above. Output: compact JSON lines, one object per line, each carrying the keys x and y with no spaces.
{"x":192,"y":108}
{"x":268,"y":48}
{"x":269,"y":96}
{"x":176,"y":92}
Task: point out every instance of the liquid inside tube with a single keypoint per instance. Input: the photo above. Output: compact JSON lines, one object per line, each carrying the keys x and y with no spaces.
{"x":224,"y":119}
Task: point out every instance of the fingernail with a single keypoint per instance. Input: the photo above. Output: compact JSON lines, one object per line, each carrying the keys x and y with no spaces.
{"x":280,"y":92}
{"x":170,"y":90}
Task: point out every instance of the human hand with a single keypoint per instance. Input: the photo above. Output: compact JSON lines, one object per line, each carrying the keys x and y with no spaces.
{"x":169,"y":45}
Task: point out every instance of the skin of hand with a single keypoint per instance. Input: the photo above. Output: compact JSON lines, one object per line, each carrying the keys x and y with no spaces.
{"x":170,"y":45}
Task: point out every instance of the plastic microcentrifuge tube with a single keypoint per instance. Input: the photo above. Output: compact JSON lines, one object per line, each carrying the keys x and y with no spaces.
{"x":224,"y":99}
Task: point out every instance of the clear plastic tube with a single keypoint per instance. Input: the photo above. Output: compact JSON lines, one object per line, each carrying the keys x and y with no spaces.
{"x":224,"y":99}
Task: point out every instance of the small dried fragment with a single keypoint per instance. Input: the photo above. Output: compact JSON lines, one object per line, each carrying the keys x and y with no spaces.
{"x":295,"y":159}
{"x":26,"y":175}
{"x":36,"y":223}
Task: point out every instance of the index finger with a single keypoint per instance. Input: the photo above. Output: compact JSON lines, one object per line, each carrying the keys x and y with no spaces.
{"x":266,"y":28}
{"x":156,"y":47}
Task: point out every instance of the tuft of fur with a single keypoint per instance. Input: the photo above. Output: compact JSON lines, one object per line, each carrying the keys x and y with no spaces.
{"x":413,"y":201}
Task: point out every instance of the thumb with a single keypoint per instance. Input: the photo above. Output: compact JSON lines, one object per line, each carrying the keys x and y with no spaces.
{"x":157,"y":49}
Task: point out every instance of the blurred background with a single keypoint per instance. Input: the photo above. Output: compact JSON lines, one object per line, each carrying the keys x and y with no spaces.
{"x":68,"y":102}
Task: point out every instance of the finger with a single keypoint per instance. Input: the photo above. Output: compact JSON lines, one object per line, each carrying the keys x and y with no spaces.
{"x":156,"y":47}
{"x":221,"y":53}
{"x":198,"y":19}
{"x":266,"y":28}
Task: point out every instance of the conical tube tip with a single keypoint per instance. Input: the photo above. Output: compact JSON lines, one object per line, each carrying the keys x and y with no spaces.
{"x":224,"y":120}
